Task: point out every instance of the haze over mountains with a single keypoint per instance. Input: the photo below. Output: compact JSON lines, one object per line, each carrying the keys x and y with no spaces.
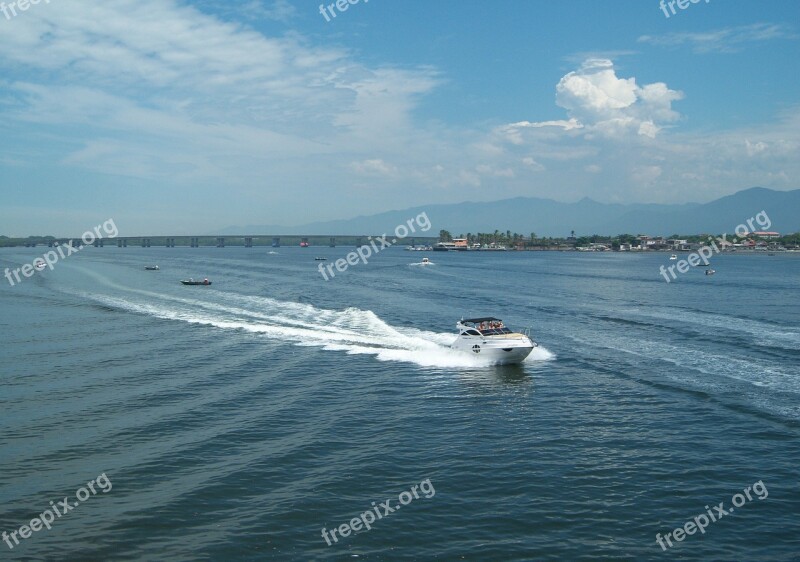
{"x":546,"y":217}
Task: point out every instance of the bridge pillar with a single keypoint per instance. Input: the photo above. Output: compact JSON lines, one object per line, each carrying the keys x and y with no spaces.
{"x":220,"y":242}
{"x":276,"y":242}
{"x":248,"y":242}
{"x":333,"y":242}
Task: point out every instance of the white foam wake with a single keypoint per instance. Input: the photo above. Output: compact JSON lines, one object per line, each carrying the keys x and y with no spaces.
{"x":352,"y":330}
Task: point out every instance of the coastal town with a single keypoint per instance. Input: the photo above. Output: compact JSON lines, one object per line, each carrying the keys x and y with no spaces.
{"x":757,"y":241}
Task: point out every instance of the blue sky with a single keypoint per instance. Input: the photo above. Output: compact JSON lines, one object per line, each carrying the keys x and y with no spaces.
{"x":181,"y":117}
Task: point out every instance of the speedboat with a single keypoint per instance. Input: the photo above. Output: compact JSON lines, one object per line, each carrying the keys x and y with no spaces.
{"x":39,"y":265}
{"x":673,"y":257}
{"x":491,"y":340}
{"x":193,"y":282}
{"x":151,"y":267}
{"x":426,"y":261}
{"x":710,"y":271}
{"x":320,"y":259}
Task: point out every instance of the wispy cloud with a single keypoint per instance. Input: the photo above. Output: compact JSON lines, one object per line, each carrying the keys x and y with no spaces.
{"x":728,"y":40}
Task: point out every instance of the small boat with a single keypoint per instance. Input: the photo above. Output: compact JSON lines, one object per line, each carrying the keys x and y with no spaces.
{"x":490,"y":339}
{"x":426,"y":261}
{"x":710,"y":271}
{"x":320,"y":259}
{"x":673,"y":257}
{"x":39,"y":265}
{"x":193,"y":282}
{"x":151,"y":267}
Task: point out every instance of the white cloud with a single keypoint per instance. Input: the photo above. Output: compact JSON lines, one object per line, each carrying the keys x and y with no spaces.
{"x":727,"y":40}
{"x":599,"y":103}
{"x":374,"y":167}
{"x":597,"y":98}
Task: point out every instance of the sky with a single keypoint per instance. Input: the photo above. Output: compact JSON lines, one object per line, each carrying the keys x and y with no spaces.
{"x":190,"y":116}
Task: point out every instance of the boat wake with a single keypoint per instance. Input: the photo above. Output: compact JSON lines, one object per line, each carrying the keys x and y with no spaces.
{"x":352,"y":330}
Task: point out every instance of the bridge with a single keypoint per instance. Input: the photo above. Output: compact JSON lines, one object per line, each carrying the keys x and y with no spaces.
{"x":246,"y":241}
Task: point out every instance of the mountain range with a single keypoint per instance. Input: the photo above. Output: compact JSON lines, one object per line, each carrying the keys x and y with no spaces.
{"x":547,"y":217}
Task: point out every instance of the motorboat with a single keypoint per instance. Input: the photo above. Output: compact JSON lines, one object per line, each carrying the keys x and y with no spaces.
{"x":425,"y":261}
{"x":320,"y":259}
{"x":193,"y":282}
{"x":710,"y":271}
{"x":673,"y":257}
{"x":151,"y":267}
{"x":489,"y":339}
{"x":39,"y":265}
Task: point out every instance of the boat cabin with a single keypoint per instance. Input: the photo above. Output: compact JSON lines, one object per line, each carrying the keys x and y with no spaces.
{"x":487,"y":326}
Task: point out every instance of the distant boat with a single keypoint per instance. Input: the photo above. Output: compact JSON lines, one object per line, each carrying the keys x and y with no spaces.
{"x":39,"y":265}
{"x":193,"y":282}
{"x":151,"y":267}
{"x":320,"y":259}
{"x":673,"y":257}
{"x":710,"y":271}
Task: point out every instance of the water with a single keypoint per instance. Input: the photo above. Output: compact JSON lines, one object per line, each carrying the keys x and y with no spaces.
{"x":237,"y":421}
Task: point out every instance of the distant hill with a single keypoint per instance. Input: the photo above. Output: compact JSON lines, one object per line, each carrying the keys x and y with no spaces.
{"x":546,"y":217}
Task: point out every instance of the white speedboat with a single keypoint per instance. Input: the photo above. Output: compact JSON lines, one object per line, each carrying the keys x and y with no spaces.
{"x":39,"y":265}
{"x":673,"y":257}
{"x":491,"y":340}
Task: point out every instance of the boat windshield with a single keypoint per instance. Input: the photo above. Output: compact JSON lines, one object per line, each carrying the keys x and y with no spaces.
{"x":496,"y":331}
{"x":488,"y":326}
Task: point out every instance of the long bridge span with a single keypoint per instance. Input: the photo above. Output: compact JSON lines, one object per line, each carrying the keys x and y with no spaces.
{"x":247,"y":241}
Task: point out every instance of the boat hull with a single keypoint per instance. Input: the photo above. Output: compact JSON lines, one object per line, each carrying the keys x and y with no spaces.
{"x":496,"y":352}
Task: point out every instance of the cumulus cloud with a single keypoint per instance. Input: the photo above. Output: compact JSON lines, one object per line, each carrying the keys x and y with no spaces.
{"x":601,"y":101}
{"x":598,"y":102}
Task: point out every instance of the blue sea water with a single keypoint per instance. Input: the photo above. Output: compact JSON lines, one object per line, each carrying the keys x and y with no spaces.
{"x":237,"y":421}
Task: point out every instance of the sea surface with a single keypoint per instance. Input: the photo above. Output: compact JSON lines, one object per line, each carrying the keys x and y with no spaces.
{"x":237,"y":421}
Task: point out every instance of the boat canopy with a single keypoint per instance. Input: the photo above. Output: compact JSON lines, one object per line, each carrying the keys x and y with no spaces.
{"x":479,"y":320}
